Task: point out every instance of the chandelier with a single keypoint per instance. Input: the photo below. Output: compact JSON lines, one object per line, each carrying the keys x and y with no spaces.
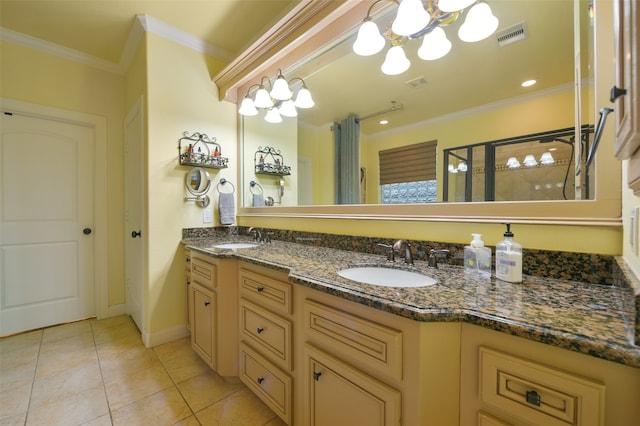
{"x":414,"y":21}
{"x":278,"y":100}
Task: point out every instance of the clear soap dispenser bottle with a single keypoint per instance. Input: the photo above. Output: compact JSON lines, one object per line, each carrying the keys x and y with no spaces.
{"x":477,"y":258}
{"x":509,"y":258}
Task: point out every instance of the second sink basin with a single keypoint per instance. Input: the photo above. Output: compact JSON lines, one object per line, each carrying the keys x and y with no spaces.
{"x":387,"y":277}
{"x":234,"y":246}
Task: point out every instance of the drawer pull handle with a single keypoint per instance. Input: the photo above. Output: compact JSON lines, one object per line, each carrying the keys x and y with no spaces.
{"x":260,"y":289}
{"x":616,"y":92}
{"x":316,"y":375}
{"x":533,"y":398}
{"x":260,"y":330}
{"x":260,"y":380}
{"x":207,"y":303}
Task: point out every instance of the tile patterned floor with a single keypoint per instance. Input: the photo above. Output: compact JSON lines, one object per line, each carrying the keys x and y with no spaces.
{"x":98,"y":373}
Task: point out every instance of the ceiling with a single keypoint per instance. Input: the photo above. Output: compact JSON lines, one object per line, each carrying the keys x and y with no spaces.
{"x":100,"y":28}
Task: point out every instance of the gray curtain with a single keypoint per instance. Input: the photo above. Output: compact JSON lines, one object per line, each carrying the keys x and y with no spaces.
{"x":347,"y":141}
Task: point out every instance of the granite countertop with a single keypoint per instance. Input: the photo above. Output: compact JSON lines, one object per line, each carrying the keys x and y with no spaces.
{"x":587,"y":318}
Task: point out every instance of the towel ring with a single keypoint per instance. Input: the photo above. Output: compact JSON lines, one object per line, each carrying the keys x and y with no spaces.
{"x":253,"y":184}
{"x":222,"y":182}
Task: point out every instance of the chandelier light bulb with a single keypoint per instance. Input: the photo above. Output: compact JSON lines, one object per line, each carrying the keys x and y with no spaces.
{"x":530,"y":161}
{"x":304,"y":100}
{"x":547,"y":159}
{"x":396,"y":61}
{"x":280,"y":90}
{"x":435,"y":45}
{"x":479,"y":24}
{"x":288,"y":109}
{"x":513,"y":163}
{"x":273,"y":116}
{"x":462,"y":166}
{"x":411,"y":18}
{"x":369,"y":40}
{"x":454,"y":5}
{"x":247,"y":107}
{"x":263,"y":99}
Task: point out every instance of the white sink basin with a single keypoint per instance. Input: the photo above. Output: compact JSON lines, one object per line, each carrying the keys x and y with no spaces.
{"x":234,"y":246}
{"x":387,"y":277}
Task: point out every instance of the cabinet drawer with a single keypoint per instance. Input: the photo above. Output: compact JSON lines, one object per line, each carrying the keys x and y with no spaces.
{"x":539,"y":394}
{"x":266,"y":291}
{"x":362,"y":341}
{"x":269,"y":332}
{"x":203,"y":272}
{"x":267,"y":381}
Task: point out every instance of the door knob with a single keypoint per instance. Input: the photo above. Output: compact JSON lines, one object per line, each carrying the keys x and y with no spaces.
{"x":136,"y":234}
{"x":87,"y":231}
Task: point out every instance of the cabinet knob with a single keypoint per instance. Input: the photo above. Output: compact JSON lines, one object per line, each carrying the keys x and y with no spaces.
{"x":135,"y":234}
{"x":316,"y":375}
{"x":260,"y":330}
{"x":533,"y":398}
{"x":260,"y":380}
{"x":616,"y":92}
{"x":260,"y":289}
{"x":207,"y":303}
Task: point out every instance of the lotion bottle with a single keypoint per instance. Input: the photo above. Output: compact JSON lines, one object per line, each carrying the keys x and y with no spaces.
{"x":477,"y":258}
{"x":509,"y":258}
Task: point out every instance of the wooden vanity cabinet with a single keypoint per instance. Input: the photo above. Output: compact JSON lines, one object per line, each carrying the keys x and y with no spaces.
{"x":214,"y":314}
{"x":187,"y":281}
{"x":508,"y":380}
{"x":265,"y":308}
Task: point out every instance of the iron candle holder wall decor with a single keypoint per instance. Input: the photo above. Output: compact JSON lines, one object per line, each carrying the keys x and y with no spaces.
{"x":199,"y":150}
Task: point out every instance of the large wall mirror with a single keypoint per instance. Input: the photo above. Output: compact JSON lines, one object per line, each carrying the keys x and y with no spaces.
{"x":473,"y":97}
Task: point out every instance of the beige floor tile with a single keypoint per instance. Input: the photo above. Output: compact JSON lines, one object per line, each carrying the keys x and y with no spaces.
{"x":14,"y":401}
{"x":23,"y":356}
{"x":163,"y":408}
{"x":99,"y":325}
{"x":124,"y":363}
{"x":65,"y":330}
{"x":20,"y":341}
{"x":136,"y":386}
{"x":55,"y":363}
{"x":67,"y":344}
{"x":71,"y":381}
{"x":117,"y":332}
{"x":205,"y":389}
{"x":180,"y":360}
{"x":72,"y":409}
{"x":104,"y":420}
{"x":242,"y":408}
{"x":189,"y":421}
{"x":19,"y":376}
{"x":18,"y":420}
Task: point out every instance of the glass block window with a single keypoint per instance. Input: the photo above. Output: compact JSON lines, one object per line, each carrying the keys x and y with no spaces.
{"x":424,"y":191}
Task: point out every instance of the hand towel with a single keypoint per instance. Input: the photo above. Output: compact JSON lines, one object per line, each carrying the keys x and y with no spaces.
{"x":258,"y":200}
{"x":227,"y":208}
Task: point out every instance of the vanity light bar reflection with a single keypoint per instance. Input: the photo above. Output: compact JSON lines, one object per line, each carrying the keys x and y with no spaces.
{"x":414,"y":21}
{"x":278,"y":100}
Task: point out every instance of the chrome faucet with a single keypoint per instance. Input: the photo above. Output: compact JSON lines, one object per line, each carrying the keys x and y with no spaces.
{"x":391,"y":254}
{"x":408,"y":256}
{"x":433,"y":257}
{"x":257,"y":234}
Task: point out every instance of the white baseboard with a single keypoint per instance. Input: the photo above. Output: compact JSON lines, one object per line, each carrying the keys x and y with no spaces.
{"x":164,"y":336}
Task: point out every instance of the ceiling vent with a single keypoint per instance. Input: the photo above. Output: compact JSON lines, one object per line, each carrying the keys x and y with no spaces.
{"x":417,"y":82}
{"x":512,"y":34}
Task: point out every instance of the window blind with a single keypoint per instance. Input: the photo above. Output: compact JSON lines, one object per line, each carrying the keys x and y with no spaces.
{"x":410,"y":163}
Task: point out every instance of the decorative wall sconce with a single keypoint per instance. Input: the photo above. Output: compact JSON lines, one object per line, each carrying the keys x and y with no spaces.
{"x":413,"y":21}
{"x":278,"y":100}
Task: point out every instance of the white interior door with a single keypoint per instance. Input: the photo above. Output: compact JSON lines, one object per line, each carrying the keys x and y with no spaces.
{"x":46,"y":205}
{"x":134,"y":190}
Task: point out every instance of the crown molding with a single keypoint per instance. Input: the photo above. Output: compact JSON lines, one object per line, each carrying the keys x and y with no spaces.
{"x":142,"y":23}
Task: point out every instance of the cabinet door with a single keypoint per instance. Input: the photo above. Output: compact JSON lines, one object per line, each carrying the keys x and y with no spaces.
{"x":203,"y":326}
{"x":339,"y":394}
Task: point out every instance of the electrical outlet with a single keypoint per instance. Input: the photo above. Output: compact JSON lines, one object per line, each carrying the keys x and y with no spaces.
{"x":633,"y":230}
{"x":207,"y":216}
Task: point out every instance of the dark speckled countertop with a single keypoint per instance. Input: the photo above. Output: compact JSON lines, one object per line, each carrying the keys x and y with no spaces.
{"x":587,"y":318}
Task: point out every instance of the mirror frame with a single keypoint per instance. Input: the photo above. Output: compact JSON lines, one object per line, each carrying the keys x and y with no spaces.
{"x":311,"y":25}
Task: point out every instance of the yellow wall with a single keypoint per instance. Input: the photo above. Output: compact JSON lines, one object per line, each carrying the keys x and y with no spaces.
{"x":181,"y":97}
{"x":39,"y":78}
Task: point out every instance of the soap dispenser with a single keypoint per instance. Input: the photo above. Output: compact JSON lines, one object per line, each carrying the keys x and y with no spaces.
{"x":509,"y":258}
{"x":477,"y":258}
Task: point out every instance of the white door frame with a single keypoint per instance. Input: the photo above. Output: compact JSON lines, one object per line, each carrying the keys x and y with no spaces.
{"x":99,"y":125}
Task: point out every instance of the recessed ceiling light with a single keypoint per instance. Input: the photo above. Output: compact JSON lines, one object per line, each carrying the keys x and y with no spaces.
{"x":383,"y":122}
{"x":528,"y":83}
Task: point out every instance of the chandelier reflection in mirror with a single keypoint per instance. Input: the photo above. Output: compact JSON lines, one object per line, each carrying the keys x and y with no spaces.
{"x":414,"y":21}
{"x":278,"y":100}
